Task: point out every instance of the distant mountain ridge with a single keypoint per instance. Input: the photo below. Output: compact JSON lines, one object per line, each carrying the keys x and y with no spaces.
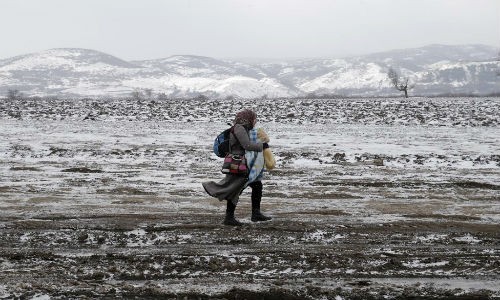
{"x":433,"y":69}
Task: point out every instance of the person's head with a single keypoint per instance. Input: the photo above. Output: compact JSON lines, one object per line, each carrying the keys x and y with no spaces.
{"x":246,"y":117}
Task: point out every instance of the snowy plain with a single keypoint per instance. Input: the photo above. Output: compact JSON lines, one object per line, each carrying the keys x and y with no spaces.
{"x":378,"y":196}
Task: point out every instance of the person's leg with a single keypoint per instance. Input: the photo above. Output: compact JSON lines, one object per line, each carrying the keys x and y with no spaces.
{"x":256,"y":199}
{"x":256,"y":194}
{"x":230,"y":219}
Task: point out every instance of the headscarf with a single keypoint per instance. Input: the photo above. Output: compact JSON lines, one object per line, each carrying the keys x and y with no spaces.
{"x":246,"y":118}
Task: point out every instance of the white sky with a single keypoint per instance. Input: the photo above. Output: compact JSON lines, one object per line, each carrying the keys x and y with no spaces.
{"x":147,"y":29}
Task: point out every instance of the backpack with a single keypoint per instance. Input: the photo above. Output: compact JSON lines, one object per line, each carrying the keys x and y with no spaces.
{"x":221,"y":143}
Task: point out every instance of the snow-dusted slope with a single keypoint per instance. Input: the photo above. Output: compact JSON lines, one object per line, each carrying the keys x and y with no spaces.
{"x":350,"y":79}
{"x":66,"y":71}
{"x":187,"y":75}
{"x":434,"y":69}
{"x":195,"y":66}
{"x":80,"y":72}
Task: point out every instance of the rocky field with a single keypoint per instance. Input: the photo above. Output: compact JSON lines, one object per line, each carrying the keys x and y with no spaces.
{"x":371,"y":199}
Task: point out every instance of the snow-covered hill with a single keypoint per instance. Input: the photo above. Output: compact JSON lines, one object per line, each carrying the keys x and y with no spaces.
{"x":434,"y":69}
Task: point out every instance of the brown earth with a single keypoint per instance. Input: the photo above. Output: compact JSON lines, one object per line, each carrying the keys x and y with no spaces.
{"x":192,"y":256}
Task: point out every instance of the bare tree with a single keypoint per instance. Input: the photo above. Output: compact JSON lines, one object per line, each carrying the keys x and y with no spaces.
{"x":136,"y":95}
{"x":401,"y":84}
{"x":13,"y":94}
{"x":149,"y":93}
{"x":162,"y":96}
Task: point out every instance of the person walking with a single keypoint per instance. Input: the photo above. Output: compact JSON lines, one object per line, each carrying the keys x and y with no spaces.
{"x":232,"y":185}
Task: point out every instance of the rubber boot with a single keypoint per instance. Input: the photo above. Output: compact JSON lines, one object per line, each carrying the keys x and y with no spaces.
{"x":257,"y":216}
{"x":230,"y":219}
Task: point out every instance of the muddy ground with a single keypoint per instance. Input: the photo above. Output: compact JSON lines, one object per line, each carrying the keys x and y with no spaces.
{"x":113,"y":207}
{"x":193,"y":256}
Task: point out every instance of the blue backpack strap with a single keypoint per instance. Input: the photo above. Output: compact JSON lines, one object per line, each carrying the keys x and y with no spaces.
{"x":229,"y":141}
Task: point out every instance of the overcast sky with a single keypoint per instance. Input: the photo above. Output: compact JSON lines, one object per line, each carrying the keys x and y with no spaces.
{"x":145,"y":29}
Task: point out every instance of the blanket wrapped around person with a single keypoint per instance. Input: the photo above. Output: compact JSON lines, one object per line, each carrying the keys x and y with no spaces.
{"x":255,"y":160}
{"x":258,"y":161}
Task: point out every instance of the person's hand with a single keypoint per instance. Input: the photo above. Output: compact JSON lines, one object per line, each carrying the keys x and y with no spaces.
{"x":262,"y":135}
